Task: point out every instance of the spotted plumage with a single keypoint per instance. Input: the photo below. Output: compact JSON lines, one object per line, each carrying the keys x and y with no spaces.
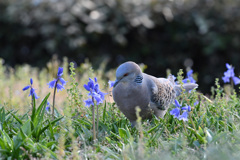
{"x":163,"y":95}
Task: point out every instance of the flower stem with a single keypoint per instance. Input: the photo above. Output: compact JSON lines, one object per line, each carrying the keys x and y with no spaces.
{"x":54,"y":94}
{"x":32,"y":103}
{"x":190,"y":117}
{"x":184,"y":128}
{"x":97,"y":120}
{"x":93,"y":121}
{"x":232,"y":86}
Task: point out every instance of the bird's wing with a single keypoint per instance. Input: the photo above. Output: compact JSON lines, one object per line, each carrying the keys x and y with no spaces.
{"x":163,"y":93}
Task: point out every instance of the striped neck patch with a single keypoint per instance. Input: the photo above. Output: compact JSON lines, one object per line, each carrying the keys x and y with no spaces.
{"x":138,"y":79}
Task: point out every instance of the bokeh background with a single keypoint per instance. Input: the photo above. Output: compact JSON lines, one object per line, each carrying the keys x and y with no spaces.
{"x":167,"y":34}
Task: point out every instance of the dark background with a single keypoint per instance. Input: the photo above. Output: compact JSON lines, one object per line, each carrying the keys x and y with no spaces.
{"x":201,"y":34}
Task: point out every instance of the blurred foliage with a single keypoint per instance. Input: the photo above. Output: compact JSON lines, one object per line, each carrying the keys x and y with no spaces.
{"x":161,"y":34}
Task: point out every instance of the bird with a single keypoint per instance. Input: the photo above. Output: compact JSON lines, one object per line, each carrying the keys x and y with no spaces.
{"x":152,"y":95}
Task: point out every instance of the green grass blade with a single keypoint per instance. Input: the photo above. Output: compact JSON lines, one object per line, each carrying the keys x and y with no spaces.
{"x":33,"y":108}
{"x":20,"y":121}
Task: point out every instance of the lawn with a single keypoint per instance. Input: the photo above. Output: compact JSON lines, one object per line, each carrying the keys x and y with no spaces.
{"x":29,"y":131}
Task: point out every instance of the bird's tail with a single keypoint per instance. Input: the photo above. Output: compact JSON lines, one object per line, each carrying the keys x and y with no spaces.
{"x":186,"y":86}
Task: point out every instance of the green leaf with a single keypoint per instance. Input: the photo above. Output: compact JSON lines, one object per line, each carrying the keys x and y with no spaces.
{"x":118,"y":137}
{"x":104,"y":111}
{"x":47,"y":126}
{"x":109,"y":151}
{"x":33,"y":108}
{"x":208,"y":135}
{"x":7,"y":140}
{"x":48,"y":150}
{"x":201,"y":139}
{"x":123,"y":133}
{"x":153,"y":128}
{"x":26,"y":128}
{"x":20,"y":121}
{"x":2,"y":144}
{"x":4,"y":151}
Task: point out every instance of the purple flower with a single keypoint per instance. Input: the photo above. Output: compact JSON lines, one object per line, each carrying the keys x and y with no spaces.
{"x":94,"y":92}
{"x":176,"y":112}
{"x":189,"y":77}
{"x":195,"y":103}
{"x":32,"y":90}
{"x":54,"y":83}
{"x":186,"y":108}
{"x":48,"y":106}
{"x":230,"y":74}
{"x":184,"y":116}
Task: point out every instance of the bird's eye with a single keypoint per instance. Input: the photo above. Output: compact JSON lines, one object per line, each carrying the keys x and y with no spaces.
{"x":125,"y":74}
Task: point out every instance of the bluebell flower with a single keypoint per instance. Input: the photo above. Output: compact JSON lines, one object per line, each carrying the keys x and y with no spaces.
{"x":48,"y":106}
{"x":230,"y":74}
{"x":184,"y":116}
{"x":176,"y":112}
{"x":32,"y":90}
{"x":94,"y":92}
{"x":189,"y":77}
{"x":54,"y":83}
{"x":111,"y":83}
{"x":186,"y":108}
{"x":195,"y":103}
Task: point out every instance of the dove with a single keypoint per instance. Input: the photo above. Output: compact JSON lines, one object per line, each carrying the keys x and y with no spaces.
{"x":152,"y":95}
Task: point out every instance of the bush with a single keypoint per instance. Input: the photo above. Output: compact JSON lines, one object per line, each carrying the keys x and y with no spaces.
{"x":161,"y":34}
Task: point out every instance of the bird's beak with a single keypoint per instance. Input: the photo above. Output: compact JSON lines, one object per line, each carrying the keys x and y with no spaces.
{"x":116,"y":82}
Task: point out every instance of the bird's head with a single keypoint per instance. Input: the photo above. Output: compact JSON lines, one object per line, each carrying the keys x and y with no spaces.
{"x":127,"y":72}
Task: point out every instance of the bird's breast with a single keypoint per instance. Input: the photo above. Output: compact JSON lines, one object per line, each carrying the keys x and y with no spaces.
{"x":128,"y":96}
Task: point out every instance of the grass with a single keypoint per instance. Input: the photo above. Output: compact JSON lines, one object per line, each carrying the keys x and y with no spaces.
{"x":212,"y":131}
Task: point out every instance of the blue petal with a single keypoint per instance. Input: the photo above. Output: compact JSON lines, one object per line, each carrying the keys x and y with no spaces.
{"x":60,"y":87}
{"x":60,"y":72}
{"x":187,"y":108}
{"x":192,"y":80}
{"x":48,"y":108}
{"x":91,"y":83}
{"x":52,"y":83}
{"x":35,"y":95}
{"x":111,"y":83}
{"x":31,"y":81}
{"x":185,"y":80}
{"x":95,"y":79}
{"x":102,"y":95}
{"x":228,"y":66}
{"x":89,"y":102}
{"x":26,"y":88}
{"x":32,"y":90}
{"x":97,"y":97}
{"x":177,"y":103}
{"x":86,"y":87}
{"x":62,"y":81}
{"x":195,"y":103}
{"x":226,"y":79}
{"x":96,"y":88}
{"x":236,"y":80}
{"x":231,"y":72}
{"x":184,"y":116}
{"x":189,"y":73}
{"x":175,"y":112}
